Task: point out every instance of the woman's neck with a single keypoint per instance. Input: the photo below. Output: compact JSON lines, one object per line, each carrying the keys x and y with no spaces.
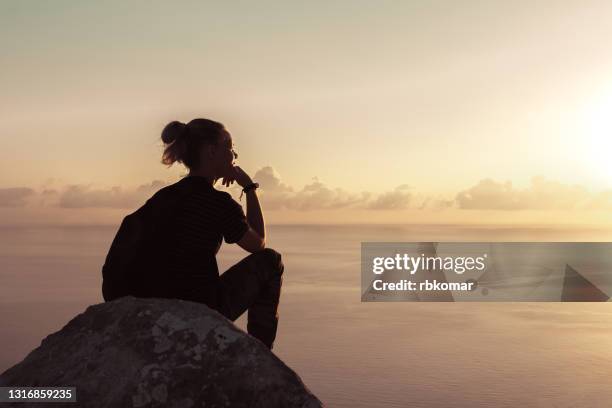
{"x":205,"y":174}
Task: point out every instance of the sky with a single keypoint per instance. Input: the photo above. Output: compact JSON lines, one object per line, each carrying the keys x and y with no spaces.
{"x":430,"y":111}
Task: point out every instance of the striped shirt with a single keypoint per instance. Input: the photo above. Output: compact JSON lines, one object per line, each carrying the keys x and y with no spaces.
{"x":190,"y":230}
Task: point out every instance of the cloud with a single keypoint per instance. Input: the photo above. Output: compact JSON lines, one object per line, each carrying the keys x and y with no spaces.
{"x":542,"y":194}
{"x":15,"y":197}
{"x":79,"y":196}
{"x":435,"y":203}
{"x":397,"y":199}
{"x":270,"y":181}
{"x":275,"y":194}
{"x":313,"y":196}
{"x":317,"y":196}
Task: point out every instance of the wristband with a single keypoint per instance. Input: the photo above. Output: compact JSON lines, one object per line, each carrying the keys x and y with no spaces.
{"x":248,"y":188}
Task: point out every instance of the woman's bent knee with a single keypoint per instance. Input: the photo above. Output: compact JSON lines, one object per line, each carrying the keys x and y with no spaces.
{"x":272,"y":258}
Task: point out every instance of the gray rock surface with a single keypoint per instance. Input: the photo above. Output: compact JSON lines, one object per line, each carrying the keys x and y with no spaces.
{"x":135,"y":352}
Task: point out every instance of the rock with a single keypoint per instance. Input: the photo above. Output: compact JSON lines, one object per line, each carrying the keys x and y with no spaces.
{"x":136,"y":352}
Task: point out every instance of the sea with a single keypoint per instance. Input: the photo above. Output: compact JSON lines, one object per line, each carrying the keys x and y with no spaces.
{"x":352,"y":353}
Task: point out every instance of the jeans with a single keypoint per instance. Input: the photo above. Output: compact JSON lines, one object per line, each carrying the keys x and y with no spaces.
{"x":254,"y":284}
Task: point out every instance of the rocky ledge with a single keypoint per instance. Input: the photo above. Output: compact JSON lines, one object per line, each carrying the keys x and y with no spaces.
{"x":136,"y":352}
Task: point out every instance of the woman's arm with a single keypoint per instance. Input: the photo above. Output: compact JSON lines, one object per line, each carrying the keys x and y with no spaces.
{"x":254,"y":214}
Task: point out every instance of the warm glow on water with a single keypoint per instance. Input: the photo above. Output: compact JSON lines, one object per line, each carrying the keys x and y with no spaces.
{"x":351,"y":354}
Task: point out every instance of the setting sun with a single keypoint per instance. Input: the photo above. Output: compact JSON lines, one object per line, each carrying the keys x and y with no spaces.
{"x":596,"y":141}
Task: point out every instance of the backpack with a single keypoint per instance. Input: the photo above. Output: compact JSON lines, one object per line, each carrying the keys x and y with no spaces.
{"x":122,"y":258}
{"x":127,"y":269}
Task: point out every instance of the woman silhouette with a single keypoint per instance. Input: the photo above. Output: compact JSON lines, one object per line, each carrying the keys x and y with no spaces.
{"x":189,"y":232}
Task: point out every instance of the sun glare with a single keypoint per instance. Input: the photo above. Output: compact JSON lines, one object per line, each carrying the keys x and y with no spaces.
{"x":596,"y":137}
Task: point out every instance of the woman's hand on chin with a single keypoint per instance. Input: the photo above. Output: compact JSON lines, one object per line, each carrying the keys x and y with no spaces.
{"x":236,"y":174}
{"x":228,"y":179}
{"x":241,"y":177}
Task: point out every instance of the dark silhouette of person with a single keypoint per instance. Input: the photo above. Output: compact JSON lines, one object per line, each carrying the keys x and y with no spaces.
{"x":192,"y":220}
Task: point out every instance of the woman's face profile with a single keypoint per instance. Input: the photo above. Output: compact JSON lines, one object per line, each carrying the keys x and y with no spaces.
{"x":224,"y":154}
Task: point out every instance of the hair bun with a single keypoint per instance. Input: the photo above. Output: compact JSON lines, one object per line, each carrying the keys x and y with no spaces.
{"x":173,"y":131}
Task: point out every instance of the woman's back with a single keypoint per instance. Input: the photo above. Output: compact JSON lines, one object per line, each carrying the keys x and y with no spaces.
{"x":192,"y":220}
